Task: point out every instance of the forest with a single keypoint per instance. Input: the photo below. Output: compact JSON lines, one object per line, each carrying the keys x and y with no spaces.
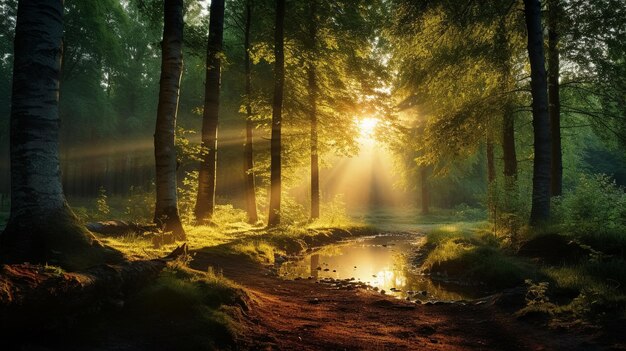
{"x":312,"y":175}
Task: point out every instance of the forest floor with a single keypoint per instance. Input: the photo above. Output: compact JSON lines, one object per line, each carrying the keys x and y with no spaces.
{"x":305,"y":315}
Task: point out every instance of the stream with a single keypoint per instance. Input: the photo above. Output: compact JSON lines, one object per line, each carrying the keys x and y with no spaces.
{"x":382,"y":262}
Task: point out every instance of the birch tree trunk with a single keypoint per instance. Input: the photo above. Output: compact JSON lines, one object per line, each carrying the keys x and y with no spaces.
{"x":166,"y":209}
{"x":41,"y":227}
{"x":205,"y":203}
{"x":540,"y":210}
{"x":277,"y":110}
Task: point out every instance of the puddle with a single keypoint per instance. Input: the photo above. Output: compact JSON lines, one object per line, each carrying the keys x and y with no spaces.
{"x":382,"y":262}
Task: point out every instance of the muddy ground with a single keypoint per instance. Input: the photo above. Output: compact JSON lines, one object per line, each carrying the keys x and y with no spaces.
{"x":305,"y":315}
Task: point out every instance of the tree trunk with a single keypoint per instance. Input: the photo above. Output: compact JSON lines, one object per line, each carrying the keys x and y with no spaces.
{"x":491,"y":164}
{"x":540,"y":211}
{"x":248,"y":147}
{"x":166,"y":209}
{"x":508,"y":146}
{"x":41,"y":227}
{"x":315,"y":168}
{"x":491,"y":178}
{"x":205,"y":203}
{"x":277,"y":111}
{"x":425,"y":190}
{"x":554,"y":96}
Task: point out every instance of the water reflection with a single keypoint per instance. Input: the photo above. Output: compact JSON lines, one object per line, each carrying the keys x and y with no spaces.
{"x":383,"y":262}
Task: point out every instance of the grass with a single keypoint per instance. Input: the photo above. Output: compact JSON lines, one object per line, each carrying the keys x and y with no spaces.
{"x":591,"y":289}
{"x":185,"y":310}
{"x":468,"y":253}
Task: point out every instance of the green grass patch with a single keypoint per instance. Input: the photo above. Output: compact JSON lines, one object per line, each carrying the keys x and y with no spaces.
{"x":473,"y":255}
{"x":184,"y":310}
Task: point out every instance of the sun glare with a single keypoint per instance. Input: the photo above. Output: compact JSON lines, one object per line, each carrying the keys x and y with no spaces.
{"x":367,"y":127}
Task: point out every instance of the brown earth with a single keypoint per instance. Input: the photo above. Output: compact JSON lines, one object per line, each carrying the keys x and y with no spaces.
{"x":305,"y":315}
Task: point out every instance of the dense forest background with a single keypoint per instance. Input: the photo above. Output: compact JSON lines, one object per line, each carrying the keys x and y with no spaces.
{"x":446,"y":80}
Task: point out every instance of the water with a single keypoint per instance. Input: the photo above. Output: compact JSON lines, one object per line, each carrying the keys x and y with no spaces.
{"x":382,"y":262}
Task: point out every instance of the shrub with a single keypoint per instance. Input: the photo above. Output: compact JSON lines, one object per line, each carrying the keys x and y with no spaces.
{"x":140,"y":205}
{"x":597,"y":204}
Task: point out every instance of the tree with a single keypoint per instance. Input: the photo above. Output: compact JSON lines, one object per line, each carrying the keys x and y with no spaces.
{"x":540,"y":210}
{"x":554,"y":67}
{"x":205,"y":203}
{"x":166,"y":209}
{"x":277,"y":107}
{"x":312,"y":82}
{"x":250,"y":188}
{"x":41,"y":228}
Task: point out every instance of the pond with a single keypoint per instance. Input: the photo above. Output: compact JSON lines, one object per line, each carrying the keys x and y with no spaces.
{"x":383,"y":263}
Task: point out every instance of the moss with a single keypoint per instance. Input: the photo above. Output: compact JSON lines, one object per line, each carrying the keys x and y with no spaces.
{"x":185,"y":310}
{"x":56,"y":238}
{"x":473,"y":256}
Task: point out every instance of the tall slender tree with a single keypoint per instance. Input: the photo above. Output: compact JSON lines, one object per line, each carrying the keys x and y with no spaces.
{"x":540,"y":209}
{"x":42,"y":227}
{"x":554,"y":96}
{"x":277,"y":110}
{"x":205,"y":203}
{"x":166,"y":209}
{"x":312,"y":82}
{"x":250,"y":190}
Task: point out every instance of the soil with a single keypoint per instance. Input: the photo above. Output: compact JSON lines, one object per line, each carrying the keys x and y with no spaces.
{"x":305,"y":315}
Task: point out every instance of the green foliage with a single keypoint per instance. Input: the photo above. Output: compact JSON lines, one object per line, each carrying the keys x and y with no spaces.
{"x":187,"y":194}
{"x":139,"y":205}
{"x":101,"y":202}
{"x":333,"y":214}
{"x":596,"y":205}
{"x":536,"y":293}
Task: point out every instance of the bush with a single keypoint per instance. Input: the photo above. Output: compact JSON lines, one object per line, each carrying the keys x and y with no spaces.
{"x":597,"y":204}
{"x":333,"y":214}
{"x":465,"y":212}
{"x":140,"y":205}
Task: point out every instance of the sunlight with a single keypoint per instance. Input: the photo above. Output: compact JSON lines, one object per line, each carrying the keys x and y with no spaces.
{"x":367,"y":128}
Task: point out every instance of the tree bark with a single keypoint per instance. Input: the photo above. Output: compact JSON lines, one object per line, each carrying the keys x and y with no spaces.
{"x":540,"y":210}
{"x":205,"y":203}
{"x":248,"y":147}
{"x":491,"y":164}
{"x":554,"y":96}
{"x":166,"y":209}
{"x":315,"y":168}
{"x":508,"y":145}
{"x":277,"y":107}
{"x":41,"y":227}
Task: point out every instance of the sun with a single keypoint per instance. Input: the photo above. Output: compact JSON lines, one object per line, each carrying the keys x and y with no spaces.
{"x":367,"y":127}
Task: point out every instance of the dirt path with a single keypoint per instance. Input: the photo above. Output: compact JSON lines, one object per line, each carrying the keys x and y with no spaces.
{"x":304,"y":315}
